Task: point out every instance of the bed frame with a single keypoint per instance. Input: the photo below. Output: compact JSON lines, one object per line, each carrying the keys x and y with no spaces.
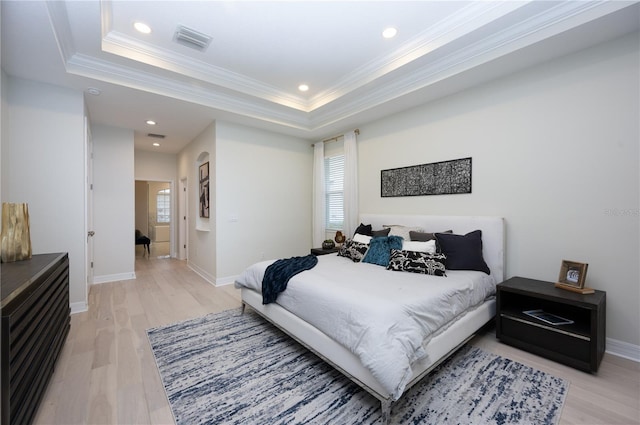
{"x":439,"y":348}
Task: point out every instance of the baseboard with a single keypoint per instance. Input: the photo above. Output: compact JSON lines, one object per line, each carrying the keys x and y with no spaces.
{"x":80,"y":307}
{"x":113,"y":277}
{"x":203,"y":274}
{"x":222,"y":281}
{"x":623,"y":349}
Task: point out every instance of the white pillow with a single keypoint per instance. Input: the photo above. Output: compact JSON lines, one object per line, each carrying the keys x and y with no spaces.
{"x":398,"y":230}
{"x":428,"y":247}
{"x":358,"y":237}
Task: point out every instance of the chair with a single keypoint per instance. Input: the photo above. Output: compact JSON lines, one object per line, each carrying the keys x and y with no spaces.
{"x":144,"y":241}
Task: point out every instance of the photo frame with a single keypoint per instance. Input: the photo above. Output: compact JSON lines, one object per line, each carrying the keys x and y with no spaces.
{"x":572,"y":274}
{"x":204,"y":190}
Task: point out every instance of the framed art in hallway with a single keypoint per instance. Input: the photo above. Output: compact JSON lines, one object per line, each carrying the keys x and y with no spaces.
{"x":204,"y":190}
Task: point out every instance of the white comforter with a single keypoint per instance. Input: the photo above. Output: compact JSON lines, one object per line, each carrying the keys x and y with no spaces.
{"x":384,"y":317}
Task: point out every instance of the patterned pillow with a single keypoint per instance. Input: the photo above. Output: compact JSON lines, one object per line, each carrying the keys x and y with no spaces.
{"x":417,"y":262}
{"x":353,"y":250}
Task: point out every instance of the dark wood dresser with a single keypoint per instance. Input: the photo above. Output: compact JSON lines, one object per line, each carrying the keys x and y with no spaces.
{"x":35,"y":323}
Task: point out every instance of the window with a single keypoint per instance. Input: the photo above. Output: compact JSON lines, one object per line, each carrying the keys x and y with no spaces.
{"x":163,"y":209}
{"x":334,"y":192}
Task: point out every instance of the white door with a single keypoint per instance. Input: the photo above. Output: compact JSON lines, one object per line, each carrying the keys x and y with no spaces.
{"x":182,"y":217}
{"x":89,"y":202}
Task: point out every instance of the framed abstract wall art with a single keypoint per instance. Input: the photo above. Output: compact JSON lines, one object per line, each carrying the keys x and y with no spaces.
{"x":436,"y":178}
{"x":204,"y":190}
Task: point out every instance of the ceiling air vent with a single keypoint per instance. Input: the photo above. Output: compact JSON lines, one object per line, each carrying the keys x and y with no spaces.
{"x":191,"y":38}
{"x":156,"y":136}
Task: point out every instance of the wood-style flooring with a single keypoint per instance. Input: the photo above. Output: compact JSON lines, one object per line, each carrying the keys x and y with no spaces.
{"x":106,"y":373}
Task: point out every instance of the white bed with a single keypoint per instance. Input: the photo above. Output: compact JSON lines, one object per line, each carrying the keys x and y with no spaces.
{"x":290,"y":311}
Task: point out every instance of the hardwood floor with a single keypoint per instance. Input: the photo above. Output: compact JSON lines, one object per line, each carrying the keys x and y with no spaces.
{"x":107,"y":375}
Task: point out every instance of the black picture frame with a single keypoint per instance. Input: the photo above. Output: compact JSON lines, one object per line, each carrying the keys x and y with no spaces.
{"x":203,"y":171}
{"x":435,"y":178}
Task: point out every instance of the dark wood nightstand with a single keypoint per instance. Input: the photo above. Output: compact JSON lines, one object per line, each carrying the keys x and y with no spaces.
{"x":580,"y":344}
{"x":320,"y":251}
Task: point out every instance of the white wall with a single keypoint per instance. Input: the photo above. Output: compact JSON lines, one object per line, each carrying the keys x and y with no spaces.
{"x":260,"y":199}
{"x":154,"y":166}
{"x":43,"y":165}
{"x":4,"y":132}
{"x":202,"y":243}
{"x":113,"y":203}
{"x":263,"y":197}
{"x":555,"y":152}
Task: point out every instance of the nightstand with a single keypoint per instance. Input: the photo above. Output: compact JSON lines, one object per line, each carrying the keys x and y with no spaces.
{"x":580,"y":344}
{"x":321,"y":251}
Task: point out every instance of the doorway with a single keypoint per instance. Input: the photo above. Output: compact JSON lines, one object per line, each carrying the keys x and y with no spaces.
{"x":153,"y":217}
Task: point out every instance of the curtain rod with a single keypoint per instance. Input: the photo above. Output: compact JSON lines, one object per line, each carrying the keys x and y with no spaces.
{"x":334,"y":138}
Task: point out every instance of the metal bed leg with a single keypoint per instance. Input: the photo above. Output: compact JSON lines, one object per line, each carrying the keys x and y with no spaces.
{"x":244,"y":306}
{"x":385,"y":406}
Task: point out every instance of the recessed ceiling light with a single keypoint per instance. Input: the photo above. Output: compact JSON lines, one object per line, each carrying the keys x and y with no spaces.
{"x":389,"y":32}
{"x":94,"y":91}
{"x":156,"y":144}
{"x":151,"y":122}
{"x":142,"y":27}
{"x":303,"y":87}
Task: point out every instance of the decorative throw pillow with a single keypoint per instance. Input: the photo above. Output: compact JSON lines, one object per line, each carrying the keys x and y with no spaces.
{"x":417,"y":262}
{"x":428,"y":246}
{"x":399,"y":230}
{"x":380,"y":249}
{"x":464,"y":252}
{"x":424,"y":236}
{"x":363,"y":229}
{"x":359,"y":237}
{"x":355,"y":251}
{"x":383,"y":232}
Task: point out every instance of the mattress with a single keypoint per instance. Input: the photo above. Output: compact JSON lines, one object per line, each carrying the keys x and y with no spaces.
{"x":385,"y":318}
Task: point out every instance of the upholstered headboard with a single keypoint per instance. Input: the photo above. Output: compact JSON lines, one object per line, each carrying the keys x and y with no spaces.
{"x":493,"y":232}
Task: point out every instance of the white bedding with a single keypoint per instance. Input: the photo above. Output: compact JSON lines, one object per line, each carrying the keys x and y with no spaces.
{"x":384,"y":317}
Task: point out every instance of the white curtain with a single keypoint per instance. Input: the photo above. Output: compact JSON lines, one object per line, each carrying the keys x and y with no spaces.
{"x":318,"y":195}
{"x":351,"y":213}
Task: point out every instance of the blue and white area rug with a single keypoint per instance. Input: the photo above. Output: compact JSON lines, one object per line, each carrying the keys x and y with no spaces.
{"x":229,"y":368}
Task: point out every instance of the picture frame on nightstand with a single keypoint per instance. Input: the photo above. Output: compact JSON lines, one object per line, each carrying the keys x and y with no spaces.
{"x":572,"y":277}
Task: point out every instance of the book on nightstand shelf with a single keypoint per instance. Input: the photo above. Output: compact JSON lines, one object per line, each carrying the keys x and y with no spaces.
{"x":549,"y":318}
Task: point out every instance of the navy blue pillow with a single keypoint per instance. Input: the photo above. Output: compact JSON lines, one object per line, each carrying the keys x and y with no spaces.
{"x":464,"y":252}
{"x":380,"y":249}
{"x":363,"y":229}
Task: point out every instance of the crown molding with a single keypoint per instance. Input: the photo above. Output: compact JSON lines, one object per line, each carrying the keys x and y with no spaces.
{"x":118,"y":74}
{"x":122,"y":45}
{"x":422,"y":62}
{"x":547,"y":23}
{"x":57,"y":11}
{"x":458,"y":25}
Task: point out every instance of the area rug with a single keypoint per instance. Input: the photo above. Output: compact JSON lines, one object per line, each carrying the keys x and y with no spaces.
{"x":232,"y":368}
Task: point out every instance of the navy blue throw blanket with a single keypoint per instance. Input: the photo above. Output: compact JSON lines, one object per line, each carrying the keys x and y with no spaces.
{"x":278,"y":274}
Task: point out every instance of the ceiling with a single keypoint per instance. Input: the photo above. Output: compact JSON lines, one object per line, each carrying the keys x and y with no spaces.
{"x":260,"y":51}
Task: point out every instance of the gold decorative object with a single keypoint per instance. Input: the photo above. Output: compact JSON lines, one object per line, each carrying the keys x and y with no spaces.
{"x":15,"y":239}
{"x":339,"y":238}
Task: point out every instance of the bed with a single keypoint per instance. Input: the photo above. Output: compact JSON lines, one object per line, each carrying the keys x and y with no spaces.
{"x":370,"y":323}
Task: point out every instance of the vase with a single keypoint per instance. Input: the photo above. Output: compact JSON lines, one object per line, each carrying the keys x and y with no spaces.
{"x":328,"y":245}
{"x":15,"y":242}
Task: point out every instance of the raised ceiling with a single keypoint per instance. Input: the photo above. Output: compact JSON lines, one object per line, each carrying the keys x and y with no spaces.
{"x":261,"y":51}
